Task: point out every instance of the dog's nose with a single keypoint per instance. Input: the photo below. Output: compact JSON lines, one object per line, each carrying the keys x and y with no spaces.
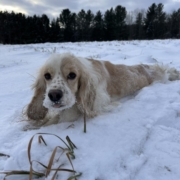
{"x":55,"y":95}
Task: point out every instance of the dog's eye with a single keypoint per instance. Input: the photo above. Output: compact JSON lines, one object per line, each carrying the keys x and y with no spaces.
{"x":47,"y":76}
{"x":71,"y":75}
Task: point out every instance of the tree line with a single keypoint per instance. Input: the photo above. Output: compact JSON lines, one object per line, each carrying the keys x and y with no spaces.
{"x":114,"y":24}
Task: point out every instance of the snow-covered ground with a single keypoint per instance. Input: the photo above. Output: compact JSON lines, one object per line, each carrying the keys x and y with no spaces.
{"x":138,"y":140}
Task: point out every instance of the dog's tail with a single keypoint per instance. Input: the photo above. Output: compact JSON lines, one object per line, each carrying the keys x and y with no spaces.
{"x":164,"y":73}
{"x":173,"y":74}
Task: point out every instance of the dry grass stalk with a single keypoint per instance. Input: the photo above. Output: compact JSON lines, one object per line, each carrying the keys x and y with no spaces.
{"x":84,"y":122}
{"x":9,"y":173}
{"x":2,"y":154}
{"x":75,"y":176}
{"x":70,"y":152}
{"x":40,"y":138}
{"x":52,"y":159}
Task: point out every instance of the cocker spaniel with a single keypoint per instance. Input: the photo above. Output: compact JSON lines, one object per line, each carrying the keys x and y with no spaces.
{"x":68,"y":86}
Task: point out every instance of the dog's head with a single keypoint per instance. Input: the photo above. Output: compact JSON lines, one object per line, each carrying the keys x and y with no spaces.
{"x":62,"y":81}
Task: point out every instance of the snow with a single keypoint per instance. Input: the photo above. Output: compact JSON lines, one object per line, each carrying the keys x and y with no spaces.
{"x":138,"y":140}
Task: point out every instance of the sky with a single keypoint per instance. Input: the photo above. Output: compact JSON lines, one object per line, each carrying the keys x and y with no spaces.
{"x":53,"y":8}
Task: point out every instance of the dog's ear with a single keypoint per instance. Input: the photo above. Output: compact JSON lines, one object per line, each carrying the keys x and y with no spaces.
{"x":86,"y":95}
{"x":36,"y":110}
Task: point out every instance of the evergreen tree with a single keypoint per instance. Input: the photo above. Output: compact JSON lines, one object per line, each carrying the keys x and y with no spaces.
{"x":38,"y":29}
{"x":74,"y":27}
{"x":89,"y":25}
{"x":155,"y":21}
{"x":175,"y":24}
{"x":46,"y":28}
{"x":1,"y":26}
{"x":139,"y":30}
{"x":30,"y":29}
{"x":21,"y":29}
{"x":8,"y":27}
{"x":160,"y":27}
{"x":81,"y":25}
{"x":16,"y":28}
{"x":66,"y":20}
{"x":120,"y":15}
{"x":98,"y":27}
{"x":55,"y":34}
{"x":149,"y":21}
{"x":110,"y":25}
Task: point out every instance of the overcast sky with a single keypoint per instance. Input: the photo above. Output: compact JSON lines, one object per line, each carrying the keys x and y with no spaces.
{"x":53,"y":8}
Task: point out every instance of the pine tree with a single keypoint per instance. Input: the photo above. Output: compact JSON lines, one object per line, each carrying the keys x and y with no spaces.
{"x":175,"y":24}
{"x":110,"y":25}
{"x":81,"y":25}
{"x":149,"y":21}
{"x":120,"y":15}
{"x":98,"y":27}
{"x":66,"y":20}
{"x":139,"y":30}
{"x":46,"y":28}
{"x":160,"y":27}
{"x":155,"y":21}
{"x":89,"y":25}
{"x":55,"y":34}
{"x":74,"y":27}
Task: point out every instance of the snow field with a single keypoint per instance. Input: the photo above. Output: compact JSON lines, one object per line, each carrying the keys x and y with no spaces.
{"x":138,"y":140}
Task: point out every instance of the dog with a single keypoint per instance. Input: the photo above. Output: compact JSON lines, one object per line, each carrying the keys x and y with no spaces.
{"x":68,"y":87}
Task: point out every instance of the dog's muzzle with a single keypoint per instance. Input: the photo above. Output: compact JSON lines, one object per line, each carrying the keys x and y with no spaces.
{"x":55,"y":96}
